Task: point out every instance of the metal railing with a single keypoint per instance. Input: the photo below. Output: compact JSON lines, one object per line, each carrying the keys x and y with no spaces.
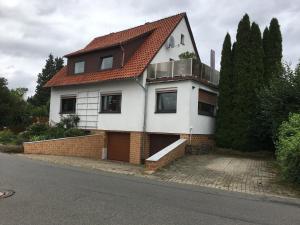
{"x":183,"y":68}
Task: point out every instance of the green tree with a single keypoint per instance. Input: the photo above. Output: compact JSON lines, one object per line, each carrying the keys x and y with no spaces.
{"x":272,"y":40}
{"x":277,"y":100}
{"x":42,"y":95}
{"x":242,"y":74}
{"x":224,"y":115}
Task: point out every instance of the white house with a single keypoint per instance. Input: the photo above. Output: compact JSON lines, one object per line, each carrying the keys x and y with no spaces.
{"x":132,"y":86}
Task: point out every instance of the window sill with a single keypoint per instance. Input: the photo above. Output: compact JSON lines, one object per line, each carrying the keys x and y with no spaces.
{"x":206,"y":114}
{"x":157,"y":112}
{"x":109,"y":112}
{"x":67,"y":113}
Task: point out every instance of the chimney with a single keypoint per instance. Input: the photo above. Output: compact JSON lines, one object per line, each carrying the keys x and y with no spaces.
{"x":212,"y":59}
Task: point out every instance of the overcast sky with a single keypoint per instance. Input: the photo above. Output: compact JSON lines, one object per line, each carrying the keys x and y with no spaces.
{"x":32,"y":29}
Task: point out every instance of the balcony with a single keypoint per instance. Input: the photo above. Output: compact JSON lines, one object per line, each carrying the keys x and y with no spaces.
{"x":189,"y":68}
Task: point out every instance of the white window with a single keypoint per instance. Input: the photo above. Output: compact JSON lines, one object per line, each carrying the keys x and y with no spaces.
{"x":182,"y":39}
{"x":106,"y":63}
{"x":79,"y":67}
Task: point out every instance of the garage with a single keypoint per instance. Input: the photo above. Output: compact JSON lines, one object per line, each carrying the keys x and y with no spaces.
{"x":118,"y":146}
{"x":160,"y":141}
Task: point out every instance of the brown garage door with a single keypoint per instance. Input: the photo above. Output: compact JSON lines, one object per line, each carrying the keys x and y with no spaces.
{"x":118,"y":145}
{"x":160,"y":141}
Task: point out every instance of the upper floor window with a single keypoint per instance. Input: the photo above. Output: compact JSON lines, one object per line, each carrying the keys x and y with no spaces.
{"x":106,"y":63}
{"x":111,"y":103}
{"x":182,"y":39}
{"x":68,"y":105}
{"x":79,"y":67}
{"x":166,"y":101}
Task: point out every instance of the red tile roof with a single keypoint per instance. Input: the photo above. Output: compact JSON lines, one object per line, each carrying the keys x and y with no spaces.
{"x":159,"y":32}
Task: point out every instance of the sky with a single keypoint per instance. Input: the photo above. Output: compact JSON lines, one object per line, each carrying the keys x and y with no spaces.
{"x":30,"y":30}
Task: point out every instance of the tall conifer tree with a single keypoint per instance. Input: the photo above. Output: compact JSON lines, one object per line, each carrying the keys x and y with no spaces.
{"x":242,"y":74}
{"x":272,"y":40}
{"x":223,"y":121}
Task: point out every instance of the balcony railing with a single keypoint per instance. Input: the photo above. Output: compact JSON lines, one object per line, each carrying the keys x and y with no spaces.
{"x":183,"y":68}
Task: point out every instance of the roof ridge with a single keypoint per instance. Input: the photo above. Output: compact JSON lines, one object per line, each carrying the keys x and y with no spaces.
{"x":147,"y":23}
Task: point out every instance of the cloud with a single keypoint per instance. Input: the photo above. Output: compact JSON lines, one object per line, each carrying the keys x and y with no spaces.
{"x":32,"y":29}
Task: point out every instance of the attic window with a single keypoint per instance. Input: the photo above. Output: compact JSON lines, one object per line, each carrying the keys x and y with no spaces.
{"x":106,"y":63}
{"x":79,"y":67}
{"x":182,"y":39}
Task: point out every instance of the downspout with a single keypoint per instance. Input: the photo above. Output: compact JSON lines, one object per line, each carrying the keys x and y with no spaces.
{"x":145,"y":89}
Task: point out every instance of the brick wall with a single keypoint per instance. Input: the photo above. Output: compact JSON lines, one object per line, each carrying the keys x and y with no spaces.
{"x":89,"y":146}
{"x":165,"y":159}
{"x":135,"y":147}
{"x":198,"y":139}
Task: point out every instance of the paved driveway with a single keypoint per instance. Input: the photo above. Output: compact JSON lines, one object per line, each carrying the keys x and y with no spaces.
{"x":48,"y":193}
{"x":228,"y":172}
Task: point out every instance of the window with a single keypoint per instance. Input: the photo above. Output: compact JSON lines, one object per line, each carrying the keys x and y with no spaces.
{"x":68,"y":105}
{"x":182,"y":39}
{"x":206,"y":109}
{"x":111,"y":103}
{"x":166,"y":102}
{"x":106,"y":63}
{"x":79,"y":67}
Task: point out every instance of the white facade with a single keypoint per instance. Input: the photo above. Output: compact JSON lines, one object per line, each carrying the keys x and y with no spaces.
{"x":131,"y":118}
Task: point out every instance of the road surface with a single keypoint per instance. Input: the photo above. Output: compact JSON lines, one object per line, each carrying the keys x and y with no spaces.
{"x":54,"y":194}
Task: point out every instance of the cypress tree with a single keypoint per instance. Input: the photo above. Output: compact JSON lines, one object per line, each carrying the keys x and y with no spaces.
{"x":255,"y":82}
{"x":42,"y":95}
{"x":273,"y":50}
{"x":242,"y":75}
{"x":223,"y":120}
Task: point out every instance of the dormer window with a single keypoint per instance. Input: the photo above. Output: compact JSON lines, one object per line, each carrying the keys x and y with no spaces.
{"x":79,"y":67}
{"x":106,"y":63}
{"x":182,"y":39}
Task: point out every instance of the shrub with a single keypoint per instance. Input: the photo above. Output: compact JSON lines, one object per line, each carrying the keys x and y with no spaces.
{"x":73,"y":132}
{"x":37,"y":129}
{"x":288,"y":148}
{"x":68,"y":122}
{"x":7,"y":137}
{"x":55,"y":132}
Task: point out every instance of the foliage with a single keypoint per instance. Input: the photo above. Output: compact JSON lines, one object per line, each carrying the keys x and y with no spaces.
{"x":72,"y":132}
{"x":244,"y":84}
{"x":272,"y":40}
{"x":42,"y":95}
{"x":224,"y":114}
{"x":7,"y":137}
{"x":188,"y":55}
{"x":68,"y":122}
{"x":288,"y":148}
{"x":37,"y":129}
{"x":280,"y":98}
{"x":13,"y":106}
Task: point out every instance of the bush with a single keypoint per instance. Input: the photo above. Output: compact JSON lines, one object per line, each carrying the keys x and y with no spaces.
{"x":37,"y":129}
{"x":7,"y":137}
{"x":288,"y":148}
{"x":55,"y":132}
{"x":68,"y":122}
{"x":73,"y":132}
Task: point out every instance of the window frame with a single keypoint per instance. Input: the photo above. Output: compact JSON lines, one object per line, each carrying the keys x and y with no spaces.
{"x":182,"y":38}
{"x":157,"y":93}
{"x":110,"y":94}
{"x":61,"y":104}
{"x":206,"y":113}
{"x":101,"y":61}
{"x":79,"y":61}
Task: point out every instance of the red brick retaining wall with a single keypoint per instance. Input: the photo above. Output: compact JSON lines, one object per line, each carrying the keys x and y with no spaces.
{"x":166,"y":155}
{"x":89,"y":146}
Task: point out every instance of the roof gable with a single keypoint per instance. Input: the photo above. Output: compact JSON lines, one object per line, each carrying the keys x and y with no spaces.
{"x":157,"y":31}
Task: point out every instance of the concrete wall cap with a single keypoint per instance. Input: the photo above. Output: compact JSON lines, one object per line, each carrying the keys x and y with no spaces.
{"x":166,"y":150}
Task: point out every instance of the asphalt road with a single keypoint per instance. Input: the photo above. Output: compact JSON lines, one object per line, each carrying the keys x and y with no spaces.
{"x":52,"y":194}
